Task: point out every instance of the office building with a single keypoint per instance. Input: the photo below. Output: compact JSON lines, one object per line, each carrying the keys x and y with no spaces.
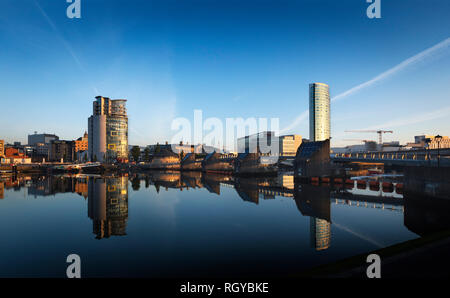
{"x":108,"y":131}
{"x":41,"y":143}
{"x":267,"y":142}
{"x":44,"y":138}
{"x":2,"y":148}
{"x":263,"y":143}
{"x":319,"y":112}
{"x":61,"y":150}
{"x":289,"y":144}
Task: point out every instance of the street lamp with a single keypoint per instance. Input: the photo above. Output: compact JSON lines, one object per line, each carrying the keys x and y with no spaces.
{"x":427,"y":142}
{"x":438,"y":139}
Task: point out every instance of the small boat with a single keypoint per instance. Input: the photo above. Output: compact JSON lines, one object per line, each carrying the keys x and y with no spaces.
{"x":375,"y":171}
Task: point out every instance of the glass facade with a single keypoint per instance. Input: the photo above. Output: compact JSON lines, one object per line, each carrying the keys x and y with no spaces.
{"x":116,"y":138}
{"x":319,"y":112}
{"x":108,"y":130}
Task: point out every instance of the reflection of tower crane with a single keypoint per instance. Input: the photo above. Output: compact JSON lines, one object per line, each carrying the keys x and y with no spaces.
{"x":379,"y":132}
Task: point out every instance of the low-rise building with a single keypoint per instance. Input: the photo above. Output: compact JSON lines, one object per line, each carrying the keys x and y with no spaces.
{"x":289,"y":144}
{"x":267,"y":143}
{"x":14,"y":156}
{"x":429,"y":142}
{"x":81,"y":144}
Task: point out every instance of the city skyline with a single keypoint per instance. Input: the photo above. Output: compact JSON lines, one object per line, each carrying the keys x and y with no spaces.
{"x":250,"y":61}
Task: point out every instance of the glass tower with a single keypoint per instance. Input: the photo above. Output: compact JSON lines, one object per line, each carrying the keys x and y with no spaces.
{"x":108,"y":130}
{"x":319,"y":112}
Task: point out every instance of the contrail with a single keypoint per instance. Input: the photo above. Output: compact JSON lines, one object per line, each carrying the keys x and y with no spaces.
{"x":64,"y":42}
{"x":296,"y":122}
{"x":368,"y":239}
{"x":430,"y":52}
{"x":439,"y":113}
{"x":408,"y":62}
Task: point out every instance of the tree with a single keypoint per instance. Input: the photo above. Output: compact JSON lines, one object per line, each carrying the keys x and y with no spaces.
{"x":157,"y":149}
{"x":146,"y":153}
{"x":85,"y":158}
{"x":135,"y":183}
{"x":181,"y":155}
{"x":136,"y":152}
{"x":94,"y":158}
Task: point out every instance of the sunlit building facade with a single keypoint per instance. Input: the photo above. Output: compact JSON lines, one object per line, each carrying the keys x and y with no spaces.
{"x":319,"y":112}
{"x":108,"y":130}
{"x":81,"y":144}
{"x":2,"y":148}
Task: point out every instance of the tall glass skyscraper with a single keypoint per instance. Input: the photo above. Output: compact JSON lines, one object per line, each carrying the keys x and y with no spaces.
{"x":319,"y":112}
{"x":108,"y":130}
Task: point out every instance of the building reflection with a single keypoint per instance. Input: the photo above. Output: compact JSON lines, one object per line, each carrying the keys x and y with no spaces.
{"x":314,"y":201}
{"x":425,"y":216}
{"x":108,"y":206}
{"x":52,"y":185}
{"x":108,"y":198}
{"x":2,"y":190}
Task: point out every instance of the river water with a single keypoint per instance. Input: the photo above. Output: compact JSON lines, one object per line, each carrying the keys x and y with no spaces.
{"x":192,"y":225}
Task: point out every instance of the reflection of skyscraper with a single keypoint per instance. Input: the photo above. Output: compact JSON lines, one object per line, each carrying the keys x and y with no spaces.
{"x":319,"y":112}
{"x":320,"y":233}
{"x":314,"y":201}
{"x":108,"y":206}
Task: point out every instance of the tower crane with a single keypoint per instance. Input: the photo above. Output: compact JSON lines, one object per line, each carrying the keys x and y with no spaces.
{"x":379,"y":132}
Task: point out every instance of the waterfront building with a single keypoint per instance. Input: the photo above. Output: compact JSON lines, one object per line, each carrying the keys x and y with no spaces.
{"x":81,"y":144}
{"x":289,"y":144}
{"x":319,"y":112}
{"x":41,"y":143}
{"x":420,"y":142}
{"x":2,"y":148}
{"x":313,"y":159}
{"x":14,"y":156}
{"x":257,"y":143}
{"x":267,"y":143}
{"x":108,"y":130}
{"x":61,"y":150}
{"x":44,"y":138}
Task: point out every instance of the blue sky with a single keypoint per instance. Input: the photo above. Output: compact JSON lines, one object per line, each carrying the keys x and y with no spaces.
{"x":228,"y":58}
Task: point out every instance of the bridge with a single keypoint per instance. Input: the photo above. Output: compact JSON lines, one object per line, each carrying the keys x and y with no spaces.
{"x":399,"y":158}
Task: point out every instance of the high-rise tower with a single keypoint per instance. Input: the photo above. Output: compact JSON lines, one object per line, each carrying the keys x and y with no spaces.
{"x":108,"y":130}
{"x":319,"y":112}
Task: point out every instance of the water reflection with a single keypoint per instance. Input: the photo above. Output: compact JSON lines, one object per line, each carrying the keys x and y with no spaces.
{"x":108,"y":206}
{"x":229,"y":223}
{"x":108,"y":198}
{"x":314,"y":201}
